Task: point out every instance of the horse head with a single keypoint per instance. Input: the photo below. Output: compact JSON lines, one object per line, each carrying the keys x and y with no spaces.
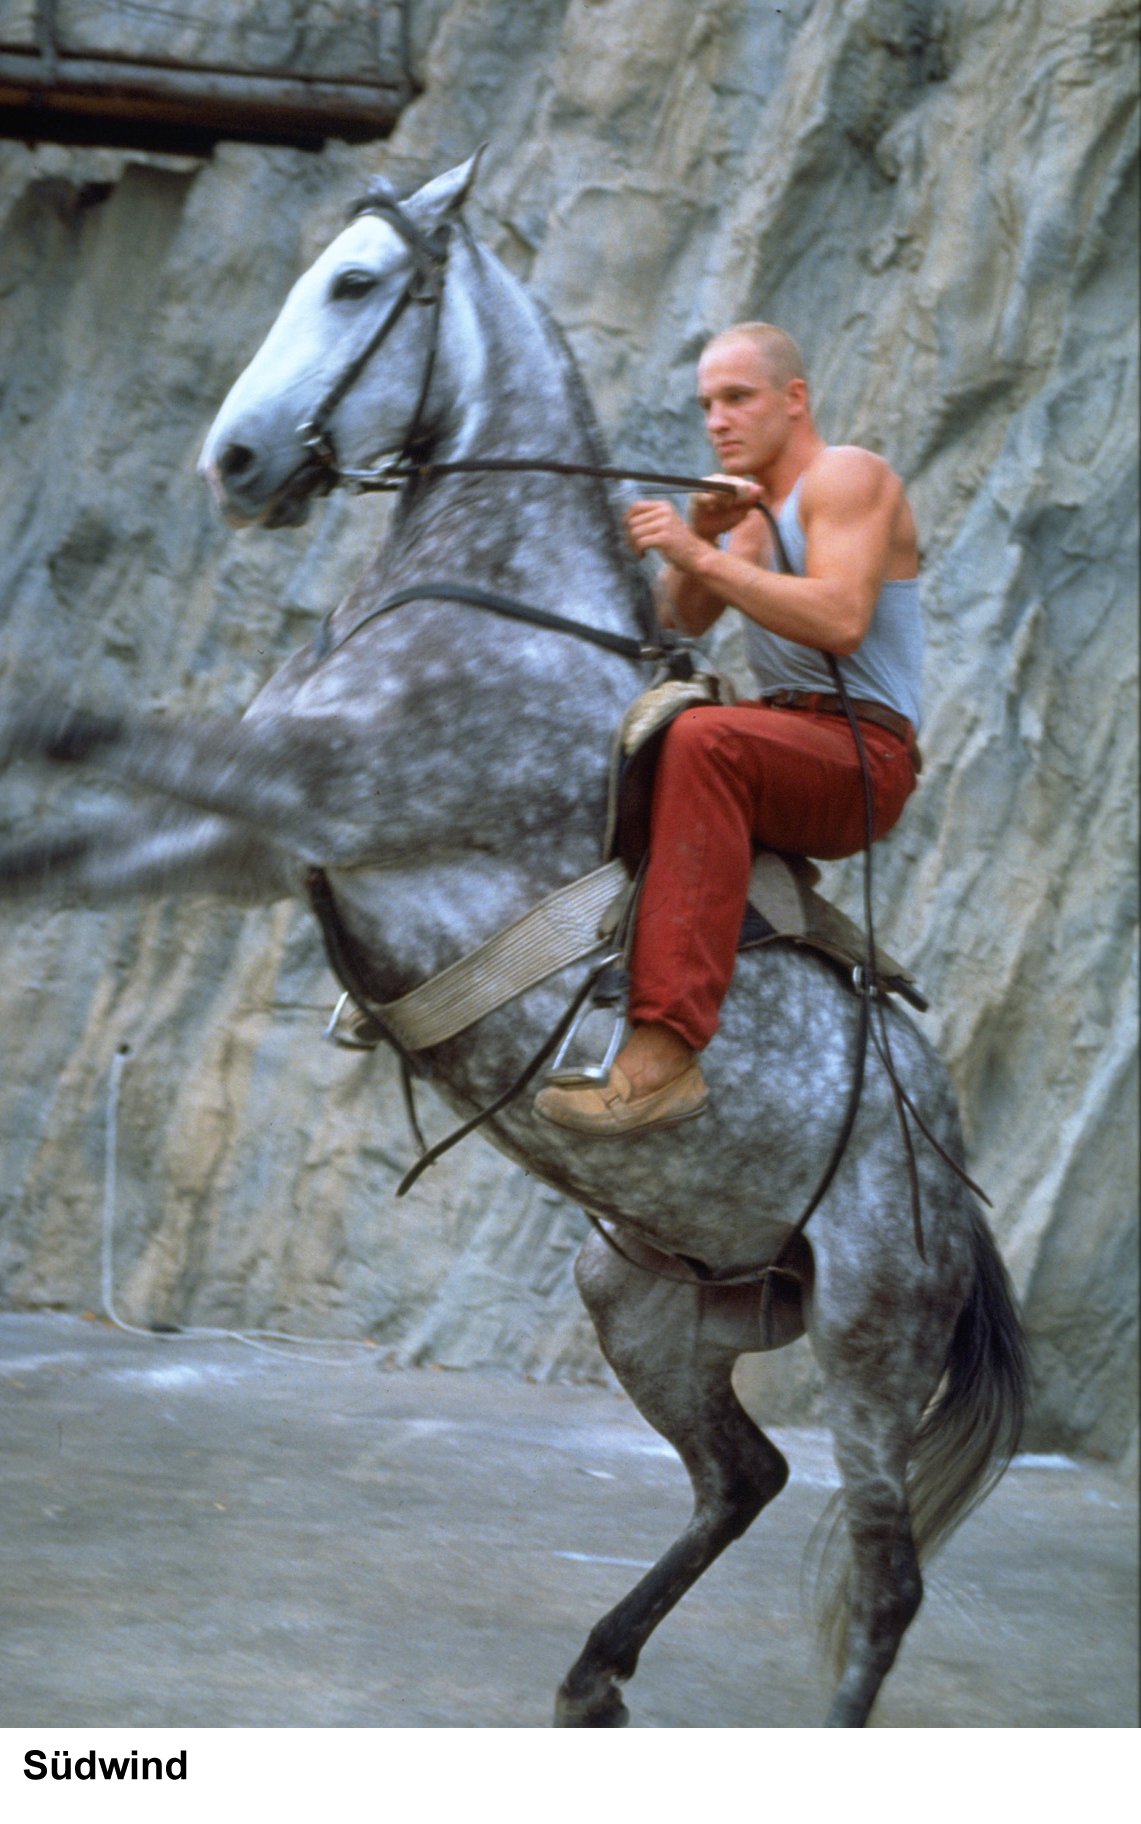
{"x":316,"y":397}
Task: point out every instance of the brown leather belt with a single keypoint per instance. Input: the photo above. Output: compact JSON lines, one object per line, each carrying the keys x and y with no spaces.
{"x":828,"y":704}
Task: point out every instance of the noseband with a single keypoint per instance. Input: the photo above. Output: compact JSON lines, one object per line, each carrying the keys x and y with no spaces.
{"x":424,"y":286}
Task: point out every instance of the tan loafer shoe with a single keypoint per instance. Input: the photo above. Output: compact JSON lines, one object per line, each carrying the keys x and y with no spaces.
{"x":611,"y":1108}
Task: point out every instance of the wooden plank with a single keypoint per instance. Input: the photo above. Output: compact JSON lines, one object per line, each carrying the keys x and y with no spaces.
{"x":208,"y":104}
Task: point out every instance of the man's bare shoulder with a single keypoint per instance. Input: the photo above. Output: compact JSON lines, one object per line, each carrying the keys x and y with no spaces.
{"x":846,"y":477}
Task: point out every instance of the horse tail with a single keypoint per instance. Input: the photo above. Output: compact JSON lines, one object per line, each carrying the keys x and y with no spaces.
{"x":971,"y":1429}
{"x":966,"y":1438}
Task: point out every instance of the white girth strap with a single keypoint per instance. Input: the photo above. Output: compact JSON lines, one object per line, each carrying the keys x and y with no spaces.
{"x":564,"y":928}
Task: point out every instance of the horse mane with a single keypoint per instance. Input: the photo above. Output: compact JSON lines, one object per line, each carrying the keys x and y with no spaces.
{"x":380,"y":193}
{"x":583,"y":414}
{"x":586,"y":422}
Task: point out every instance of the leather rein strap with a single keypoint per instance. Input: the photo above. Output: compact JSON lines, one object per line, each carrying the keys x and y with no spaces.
{"x":866,"y":986}
{"x":367,"y":481}
{"x":324,"y":644}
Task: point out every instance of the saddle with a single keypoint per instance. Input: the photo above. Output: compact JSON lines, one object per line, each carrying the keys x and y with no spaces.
{"x":784,"y":905}
{"x":596,"y":912}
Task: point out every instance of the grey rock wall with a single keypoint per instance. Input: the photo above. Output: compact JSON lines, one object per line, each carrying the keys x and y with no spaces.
{"x":940,"y":201}
{"x":314,"y":39}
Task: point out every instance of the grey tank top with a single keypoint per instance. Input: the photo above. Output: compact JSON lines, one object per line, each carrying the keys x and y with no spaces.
{"x":886,"y":668}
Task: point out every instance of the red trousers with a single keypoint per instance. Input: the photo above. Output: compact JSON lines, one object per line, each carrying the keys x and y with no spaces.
{"x":730,"y":779}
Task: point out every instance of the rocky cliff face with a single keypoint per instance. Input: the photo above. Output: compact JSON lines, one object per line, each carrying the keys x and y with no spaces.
{"x":940,"y":201}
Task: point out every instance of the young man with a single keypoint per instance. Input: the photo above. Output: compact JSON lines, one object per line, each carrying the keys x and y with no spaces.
{"x":780,"y":771}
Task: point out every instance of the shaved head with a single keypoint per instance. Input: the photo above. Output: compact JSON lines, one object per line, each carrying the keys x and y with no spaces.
{"x":779,"y":354}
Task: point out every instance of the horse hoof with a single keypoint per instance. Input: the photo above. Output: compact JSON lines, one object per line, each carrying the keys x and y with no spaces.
{"x":606,"y":1711}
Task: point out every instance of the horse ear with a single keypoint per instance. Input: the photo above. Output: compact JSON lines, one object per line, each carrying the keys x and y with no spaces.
{"x":447,"y":194}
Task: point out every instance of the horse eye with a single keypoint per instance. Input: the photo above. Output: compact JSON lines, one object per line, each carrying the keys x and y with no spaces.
{"x":348,"y":285}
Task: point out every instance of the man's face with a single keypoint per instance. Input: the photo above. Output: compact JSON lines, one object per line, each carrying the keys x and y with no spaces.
{"x":747,"y":418}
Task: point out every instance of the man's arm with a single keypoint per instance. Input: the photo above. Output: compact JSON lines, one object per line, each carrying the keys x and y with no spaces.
{"x":850,"y":506}
{"x":685,"y":601}
{"x":691,"y":604}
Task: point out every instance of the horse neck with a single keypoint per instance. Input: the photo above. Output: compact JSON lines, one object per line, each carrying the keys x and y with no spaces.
{"x":513,"y":383}
{"x":511,"y":800}
{"x":508,"y":386}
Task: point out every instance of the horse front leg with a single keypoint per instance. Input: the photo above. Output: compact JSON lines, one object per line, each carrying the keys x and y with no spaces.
{"x":300,"y":782}
{"x":673,"y":1346}
{"x":146,"y":854}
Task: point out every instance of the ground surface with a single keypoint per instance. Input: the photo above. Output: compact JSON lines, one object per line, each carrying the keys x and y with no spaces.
{"x":194,"y":1534}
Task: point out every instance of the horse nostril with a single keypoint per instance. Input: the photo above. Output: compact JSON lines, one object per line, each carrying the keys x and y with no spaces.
{"x":236,"y":460}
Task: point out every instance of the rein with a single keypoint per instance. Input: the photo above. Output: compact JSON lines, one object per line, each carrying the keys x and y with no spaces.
{"x":642,"y":651}
{"x":392,"y":477}
{"x":866,"y":986}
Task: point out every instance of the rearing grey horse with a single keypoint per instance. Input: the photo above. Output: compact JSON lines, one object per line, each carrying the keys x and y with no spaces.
{"x":445,"y":769}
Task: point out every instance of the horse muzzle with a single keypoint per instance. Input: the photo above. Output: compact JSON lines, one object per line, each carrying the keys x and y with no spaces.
{"x":243,"y":490}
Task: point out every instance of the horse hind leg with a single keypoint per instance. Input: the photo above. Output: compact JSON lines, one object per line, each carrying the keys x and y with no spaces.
{"x":882,"y":1588}
{"x":871,"y":1586}
{"x":914,"y":1467}
{"x":673,"y":1346}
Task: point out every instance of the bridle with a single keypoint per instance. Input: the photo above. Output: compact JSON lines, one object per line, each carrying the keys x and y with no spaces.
{"x":424,"y":286}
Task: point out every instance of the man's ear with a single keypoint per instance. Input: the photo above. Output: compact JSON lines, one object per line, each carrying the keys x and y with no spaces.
{"x":796,"y":392}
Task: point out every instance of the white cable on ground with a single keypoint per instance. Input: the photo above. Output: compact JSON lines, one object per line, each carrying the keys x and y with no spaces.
{"x":253,"y":1339}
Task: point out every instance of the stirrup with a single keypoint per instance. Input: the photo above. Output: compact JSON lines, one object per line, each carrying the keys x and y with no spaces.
{"x":609,"y":992}
{"x":359,"y":1033}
